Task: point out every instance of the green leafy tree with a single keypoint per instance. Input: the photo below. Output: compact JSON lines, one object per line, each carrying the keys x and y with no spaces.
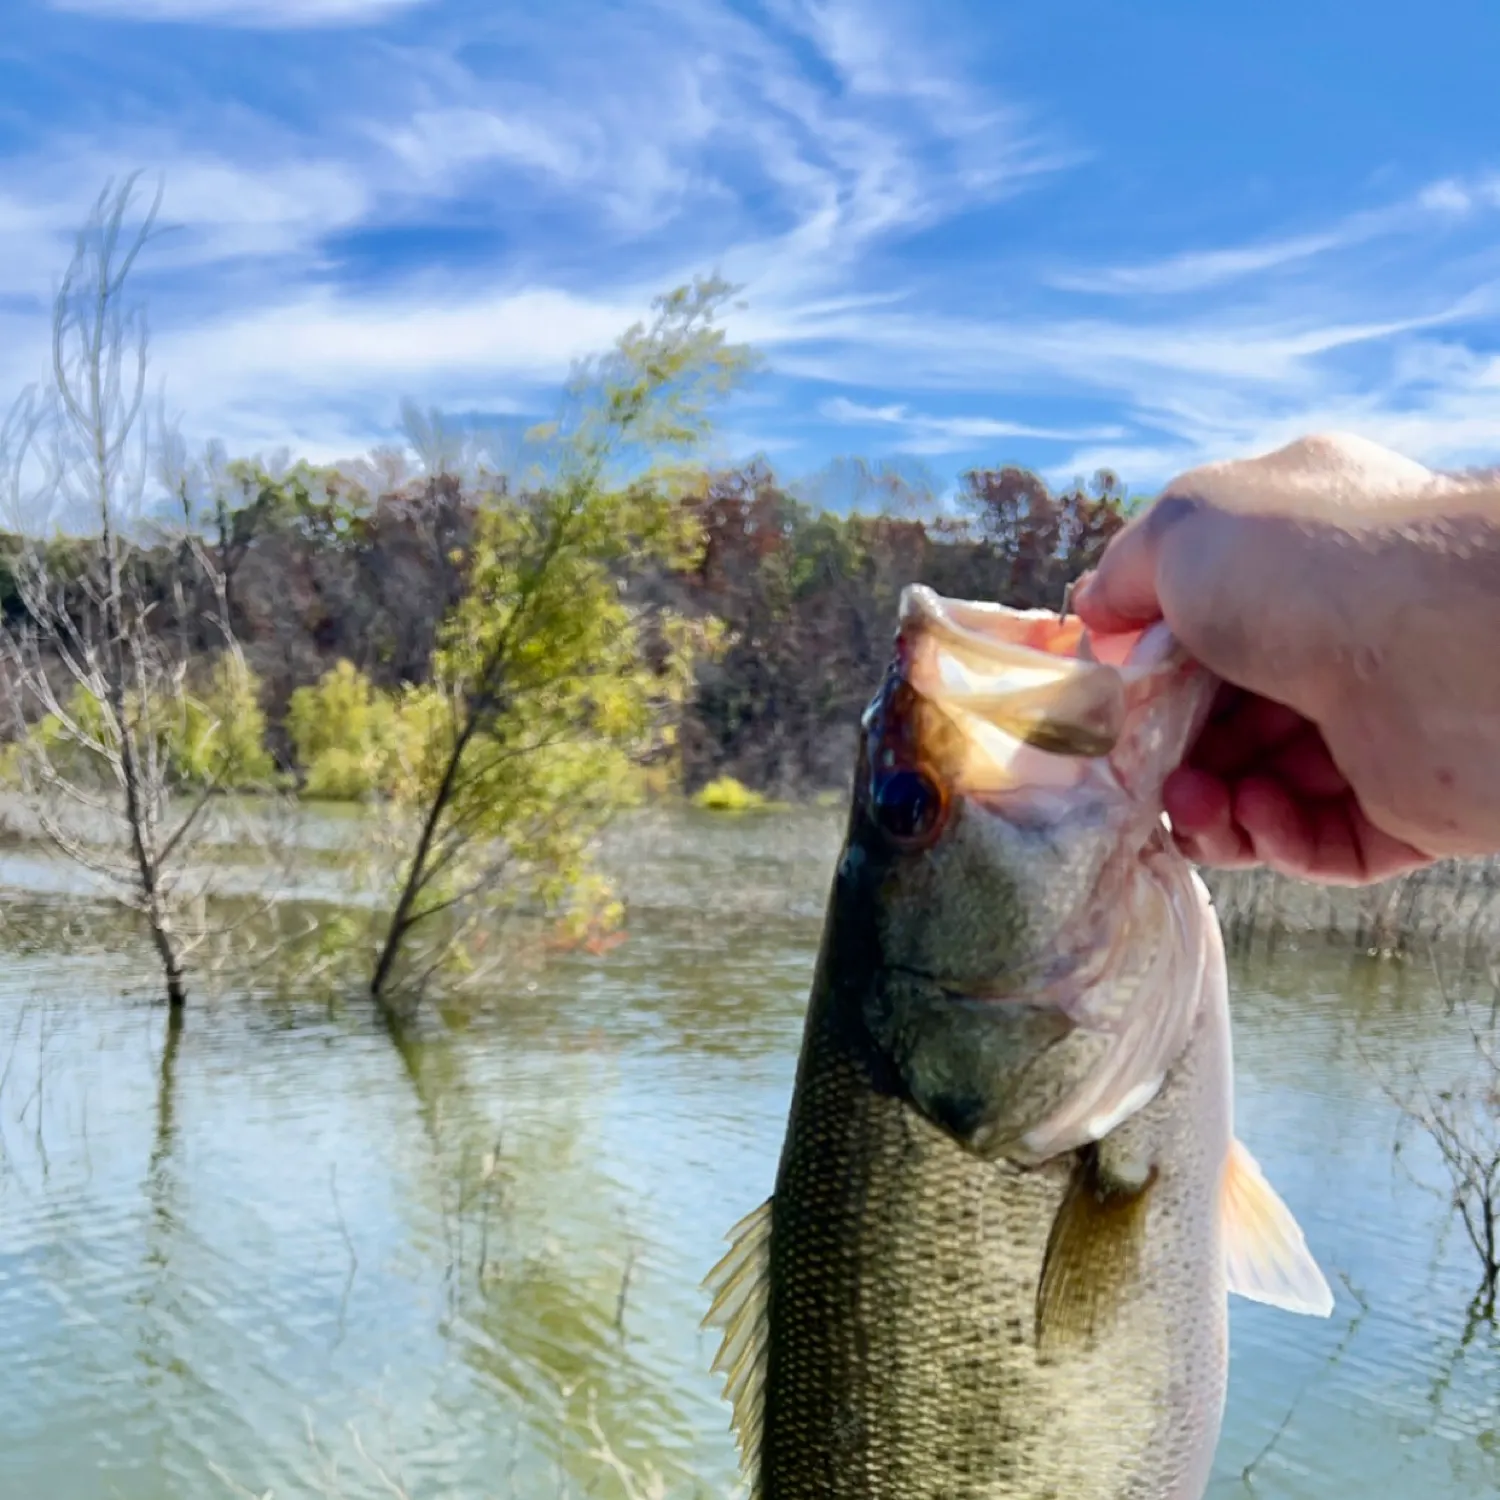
{"x":354,"y":741}
{"x":220,"y":738}
{"x":340,"y":729}
{"x":545,"y":693}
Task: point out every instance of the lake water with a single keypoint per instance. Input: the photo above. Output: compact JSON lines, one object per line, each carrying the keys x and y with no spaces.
{"x":282,"y":1254}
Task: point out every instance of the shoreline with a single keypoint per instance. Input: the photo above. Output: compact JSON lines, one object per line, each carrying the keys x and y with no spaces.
{"x":1453,"y":906}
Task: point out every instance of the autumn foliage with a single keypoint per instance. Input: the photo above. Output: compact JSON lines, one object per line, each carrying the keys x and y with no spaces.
{"x":339,"y":597}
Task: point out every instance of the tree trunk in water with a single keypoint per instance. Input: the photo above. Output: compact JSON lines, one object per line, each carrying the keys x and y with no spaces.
{"x":401,"y":918}
{"x":171,"y":965}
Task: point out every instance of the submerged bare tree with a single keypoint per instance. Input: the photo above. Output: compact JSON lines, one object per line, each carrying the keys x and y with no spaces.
{"x":118,"y":746}
{"x":1461,"y":1119}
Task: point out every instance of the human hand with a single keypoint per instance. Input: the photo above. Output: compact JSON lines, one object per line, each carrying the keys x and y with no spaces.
{"x":1260,"y":787}
{"x":1356,"y":734}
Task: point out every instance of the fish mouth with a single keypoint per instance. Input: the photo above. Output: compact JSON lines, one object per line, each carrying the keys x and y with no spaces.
{"x":980,"y":699}
{"x":1007,"y":708}
{"x":1030,"y":675}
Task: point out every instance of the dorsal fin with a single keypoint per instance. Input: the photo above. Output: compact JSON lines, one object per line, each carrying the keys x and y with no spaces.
{"x":739,"y":1284}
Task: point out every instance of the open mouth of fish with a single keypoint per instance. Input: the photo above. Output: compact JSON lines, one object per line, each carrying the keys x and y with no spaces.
{"x":1013,"y":708}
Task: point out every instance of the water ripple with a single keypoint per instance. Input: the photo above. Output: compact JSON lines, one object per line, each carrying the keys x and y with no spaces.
{"x":285,"y":1254}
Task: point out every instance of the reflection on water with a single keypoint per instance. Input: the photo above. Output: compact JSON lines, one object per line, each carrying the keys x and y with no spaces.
{"x":284,"y":1251}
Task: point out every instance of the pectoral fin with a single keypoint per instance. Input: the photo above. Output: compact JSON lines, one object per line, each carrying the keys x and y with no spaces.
{"x":1266,"y":1257}
{"x":739,"y":1283}
{"x":1093,"y":1253}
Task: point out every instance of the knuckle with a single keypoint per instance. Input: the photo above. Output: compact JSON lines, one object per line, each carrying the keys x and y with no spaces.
{"x":1169,"y":511}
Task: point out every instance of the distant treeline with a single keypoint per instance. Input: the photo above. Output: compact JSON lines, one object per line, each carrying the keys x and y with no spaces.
{"x":319,"y":568}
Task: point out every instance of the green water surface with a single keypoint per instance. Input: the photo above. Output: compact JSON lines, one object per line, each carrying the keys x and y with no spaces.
{"x":284,"y":1254}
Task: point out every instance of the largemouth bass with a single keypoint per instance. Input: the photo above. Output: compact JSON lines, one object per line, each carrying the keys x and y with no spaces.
{"x":1010,"y":1204}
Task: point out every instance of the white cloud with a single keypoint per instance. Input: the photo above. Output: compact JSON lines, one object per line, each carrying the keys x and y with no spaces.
{"x":345,"y":343}
{"x":1189,"y":388}
{"x":1446,"y":197}
{"x":1196,"y":270}
{"x":943,"y":351}
{"x":861,"y":54}
{"x":652,"y":112}
{"x":634,"y":180}
{"x":930,"y":435}
{"x":306,"y":367}
{"x":215,"y":209}
{"x":1437,"y":405}
{"x":272,"y":14}
{"x":625,"y":145}
{"x":678,"y":138}
{"x":217,"y":215}
{"x":437,"y":141}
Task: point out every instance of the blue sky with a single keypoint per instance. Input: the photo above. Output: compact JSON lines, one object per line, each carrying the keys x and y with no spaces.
{"x":1063,"y":234}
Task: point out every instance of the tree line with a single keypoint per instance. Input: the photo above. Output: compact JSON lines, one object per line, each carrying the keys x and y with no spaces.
{"x":336,"y":596}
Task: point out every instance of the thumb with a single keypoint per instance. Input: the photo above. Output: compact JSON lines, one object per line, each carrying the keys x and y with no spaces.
{"x":1121,"y":593}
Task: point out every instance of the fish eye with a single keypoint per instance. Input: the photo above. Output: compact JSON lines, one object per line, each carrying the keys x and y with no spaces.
{"x":908,"y":806}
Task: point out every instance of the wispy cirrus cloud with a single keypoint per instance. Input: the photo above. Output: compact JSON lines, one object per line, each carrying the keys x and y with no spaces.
{"x":1435,"y":206}
{"x":1195,"y":270}
{"x":931,"y":435}
{"x":620,"y":149}
{"x":451,"y":200}
{"x":714,"y":116}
